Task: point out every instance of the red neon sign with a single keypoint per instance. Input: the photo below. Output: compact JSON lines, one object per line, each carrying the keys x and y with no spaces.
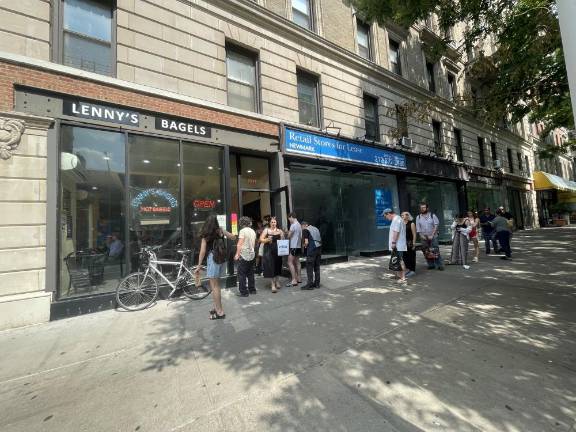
{"x":204,"y":204}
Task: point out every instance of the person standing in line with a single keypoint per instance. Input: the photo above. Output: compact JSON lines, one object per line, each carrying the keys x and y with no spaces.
{"x":245,"y":255}
{"x":409,"y":257}
{"x":295,"y":237}
{"x":210,"y":234}
{"x":502,"y":227}
{"x":427,"y":227}
{"x":313,"y":250}
{"x":488,"y":233}
{"x":259,"y":247}
{"x":460,"y":239}
{"x":271,"y":262}
{"x":473,"y":222}
{"x":397,"y":240}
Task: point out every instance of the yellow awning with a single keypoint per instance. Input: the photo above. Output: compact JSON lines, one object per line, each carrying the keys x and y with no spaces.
{"x":544,"y":181}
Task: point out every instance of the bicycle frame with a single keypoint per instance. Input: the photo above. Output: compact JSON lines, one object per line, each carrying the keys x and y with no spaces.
{"x":153,"y":267}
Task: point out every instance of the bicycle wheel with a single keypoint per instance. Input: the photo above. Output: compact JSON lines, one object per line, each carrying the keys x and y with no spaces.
{"x":190,"y":290}
{"x":136,"y":291}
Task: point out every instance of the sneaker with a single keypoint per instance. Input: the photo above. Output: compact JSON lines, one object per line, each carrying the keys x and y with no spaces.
{"x":402,"y":281}
{"x":475,"y":259}
{"x":410,"y":274}
{"x":441,"y":268}
{"x":307,"y":287}
{"x":466,"y":267}
{"x":242,"y":294}
{"x":253,"y":291}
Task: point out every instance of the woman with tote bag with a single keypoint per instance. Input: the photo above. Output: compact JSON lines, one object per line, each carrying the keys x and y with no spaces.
{"x":271,"y":261}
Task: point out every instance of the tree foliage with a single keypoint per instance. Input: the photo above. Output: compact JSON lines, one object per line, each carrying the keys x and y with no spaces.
{"x":525,"y":75}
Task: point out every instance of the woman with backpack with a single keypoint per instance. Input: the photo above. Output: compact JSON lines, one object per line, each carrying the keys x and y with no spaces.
{"x":213,"y":247}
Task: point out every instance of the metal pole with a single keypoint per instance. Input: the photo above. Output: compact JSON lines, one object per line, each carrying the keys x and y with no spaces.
{"x":567,"y":18}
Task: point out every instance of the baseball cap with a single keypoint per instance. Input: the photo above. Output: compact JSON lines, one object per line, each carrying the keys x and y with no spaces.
{"x":387,"y":210}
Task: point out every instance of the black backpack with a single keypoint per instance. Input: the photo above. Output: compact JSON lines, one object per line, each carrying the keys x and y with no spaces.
{"x":219,"y":250}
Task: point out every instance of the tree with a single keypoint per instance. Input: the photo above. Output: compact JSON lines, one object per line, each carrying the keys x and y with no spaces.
{"x":525,"y":75}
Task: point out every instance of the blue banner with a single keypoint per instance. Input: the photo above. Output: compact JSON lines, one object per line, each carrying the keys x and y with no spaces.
{"x":305,"y":143}
{"x":382,"y":201}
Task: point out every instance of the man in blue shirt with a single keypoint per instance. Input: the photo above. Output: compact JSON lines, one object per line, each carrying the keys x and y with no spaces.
{"x":488,"y":232}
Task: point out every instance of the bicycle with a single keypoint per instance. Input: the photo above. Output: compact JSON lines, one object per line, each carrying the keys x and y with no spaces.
{"x":139,"y":290}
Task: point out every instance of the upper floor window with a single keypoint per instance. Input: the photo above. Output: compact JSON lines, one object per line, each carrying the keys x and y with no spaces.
{"x":459,"y":149}
{"x":519,"y":156}
{"x":401,"y":121}
{"x":371,"y":122}
{"x":430,"y":77}
{"x":242,"y":81}
{"x":527,"y":161}
{"x":394,"y":57}
{"x":510,"y":161}
{"x":493,"y":151}
{"x":308,"y":99}
{"x":364,"y":40}
{"x":87,"y":35}
{"x":481,"y":151}
{"x":437,"y":128}
{"x":302,"y":13}
{"x":452,"y":92}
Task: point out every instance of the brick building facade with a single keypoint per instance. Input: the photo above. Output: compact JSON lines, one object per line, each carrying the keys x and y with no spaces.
{"x":256,"y":74}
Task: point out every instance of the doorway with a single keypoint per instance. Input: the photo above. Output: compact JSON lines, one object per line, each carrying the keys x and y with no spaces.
{"x":255,"y":204}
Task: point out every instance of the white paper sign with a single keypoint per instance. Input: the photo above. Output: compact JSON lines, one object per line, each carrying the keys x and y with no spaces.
{"x":283,"y":247}
{"x":222,"y":221}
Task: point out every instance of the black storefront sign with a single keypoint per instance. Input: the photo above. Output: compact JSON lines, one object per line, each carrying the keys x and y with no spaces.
{"x":189,"y":128}
{"x":100,"y":112}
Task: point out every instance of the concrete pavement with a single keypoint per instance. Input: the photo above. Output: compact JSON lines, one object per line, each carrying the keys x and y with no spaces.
{"x":488,"y":349}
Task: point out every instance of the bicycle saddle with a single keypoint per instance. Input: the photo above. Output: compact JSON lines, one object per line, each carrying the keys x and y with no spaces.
{"x":184,"y":251}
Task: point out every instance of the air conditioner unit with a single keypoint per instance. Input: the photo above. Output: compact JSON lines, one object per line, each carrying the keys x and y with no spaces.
{"x":406,"y":142}
{"x":497,"y":164}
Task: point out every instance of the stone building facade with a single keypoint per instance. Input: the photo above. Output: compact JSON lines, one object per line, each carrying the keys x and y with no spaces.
{"x":261,"y":76}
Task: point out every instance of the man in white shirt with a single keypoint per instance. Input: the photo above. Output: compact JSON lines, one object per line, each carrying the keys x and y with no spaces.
{"x":397,"y":240}
{"x":245,"y":255}
{"x":295,"y":237}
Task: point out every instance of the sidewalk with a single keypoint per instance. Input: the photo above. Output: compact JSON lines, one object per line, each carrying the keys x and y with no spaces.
{"x":488,"y":349}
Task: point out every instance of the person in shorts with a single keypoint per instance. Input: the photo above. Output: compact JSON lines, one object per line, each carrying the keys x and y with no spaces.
{"x":295,"y":237}
{"x":397,"y":240}
{"x":245,"y":255}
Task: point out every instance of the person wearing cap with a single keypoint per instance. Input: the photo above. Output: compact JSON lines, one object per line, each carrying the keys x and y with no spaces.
{"x":313,"y":252}
{"x":397,"y":240}
{"x":427,"y":225}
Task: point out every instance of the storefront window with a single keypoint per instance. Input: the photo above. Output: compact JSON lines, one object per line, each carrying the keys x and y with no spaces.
{"x":441,"y":197}
{"x":254,"y":173}
{"x":92,"y":219}
{"x":203,"y":189}
{"x":334,"y":202}
{"x":154,"y":194}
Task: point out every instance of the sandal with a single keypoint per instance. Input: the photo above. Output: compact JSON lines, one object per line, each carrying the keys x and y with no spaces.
{"x":215,"y":316}
{"x":274,"y":289}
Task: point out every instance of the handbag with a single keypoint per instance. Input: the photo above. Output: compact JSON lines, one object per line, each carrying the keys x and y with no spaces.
{"x":283,"y":247}
{"x":431,"y":253}
{"x":395,"y":263}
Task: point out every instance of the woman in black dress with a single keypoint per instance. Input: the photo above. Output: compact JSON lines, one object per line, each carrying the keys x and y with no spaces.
{"x":410,"y":255}
{"x":271,"y":262}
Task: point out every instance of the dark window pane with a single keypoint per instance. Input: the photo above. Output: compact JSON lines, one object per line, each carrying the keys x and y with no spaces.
{"x":459,"y":149}
{"x":154,"y":194}
{"x":371,"y":118}
{"x":92,"y":242}
{"x":89,"y":17}
{"x":87,"y":54}
{"x":481,"y":151}
{"x":430,"y":76}
{"x":437,"y":128}
{"x":510,"y":161}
